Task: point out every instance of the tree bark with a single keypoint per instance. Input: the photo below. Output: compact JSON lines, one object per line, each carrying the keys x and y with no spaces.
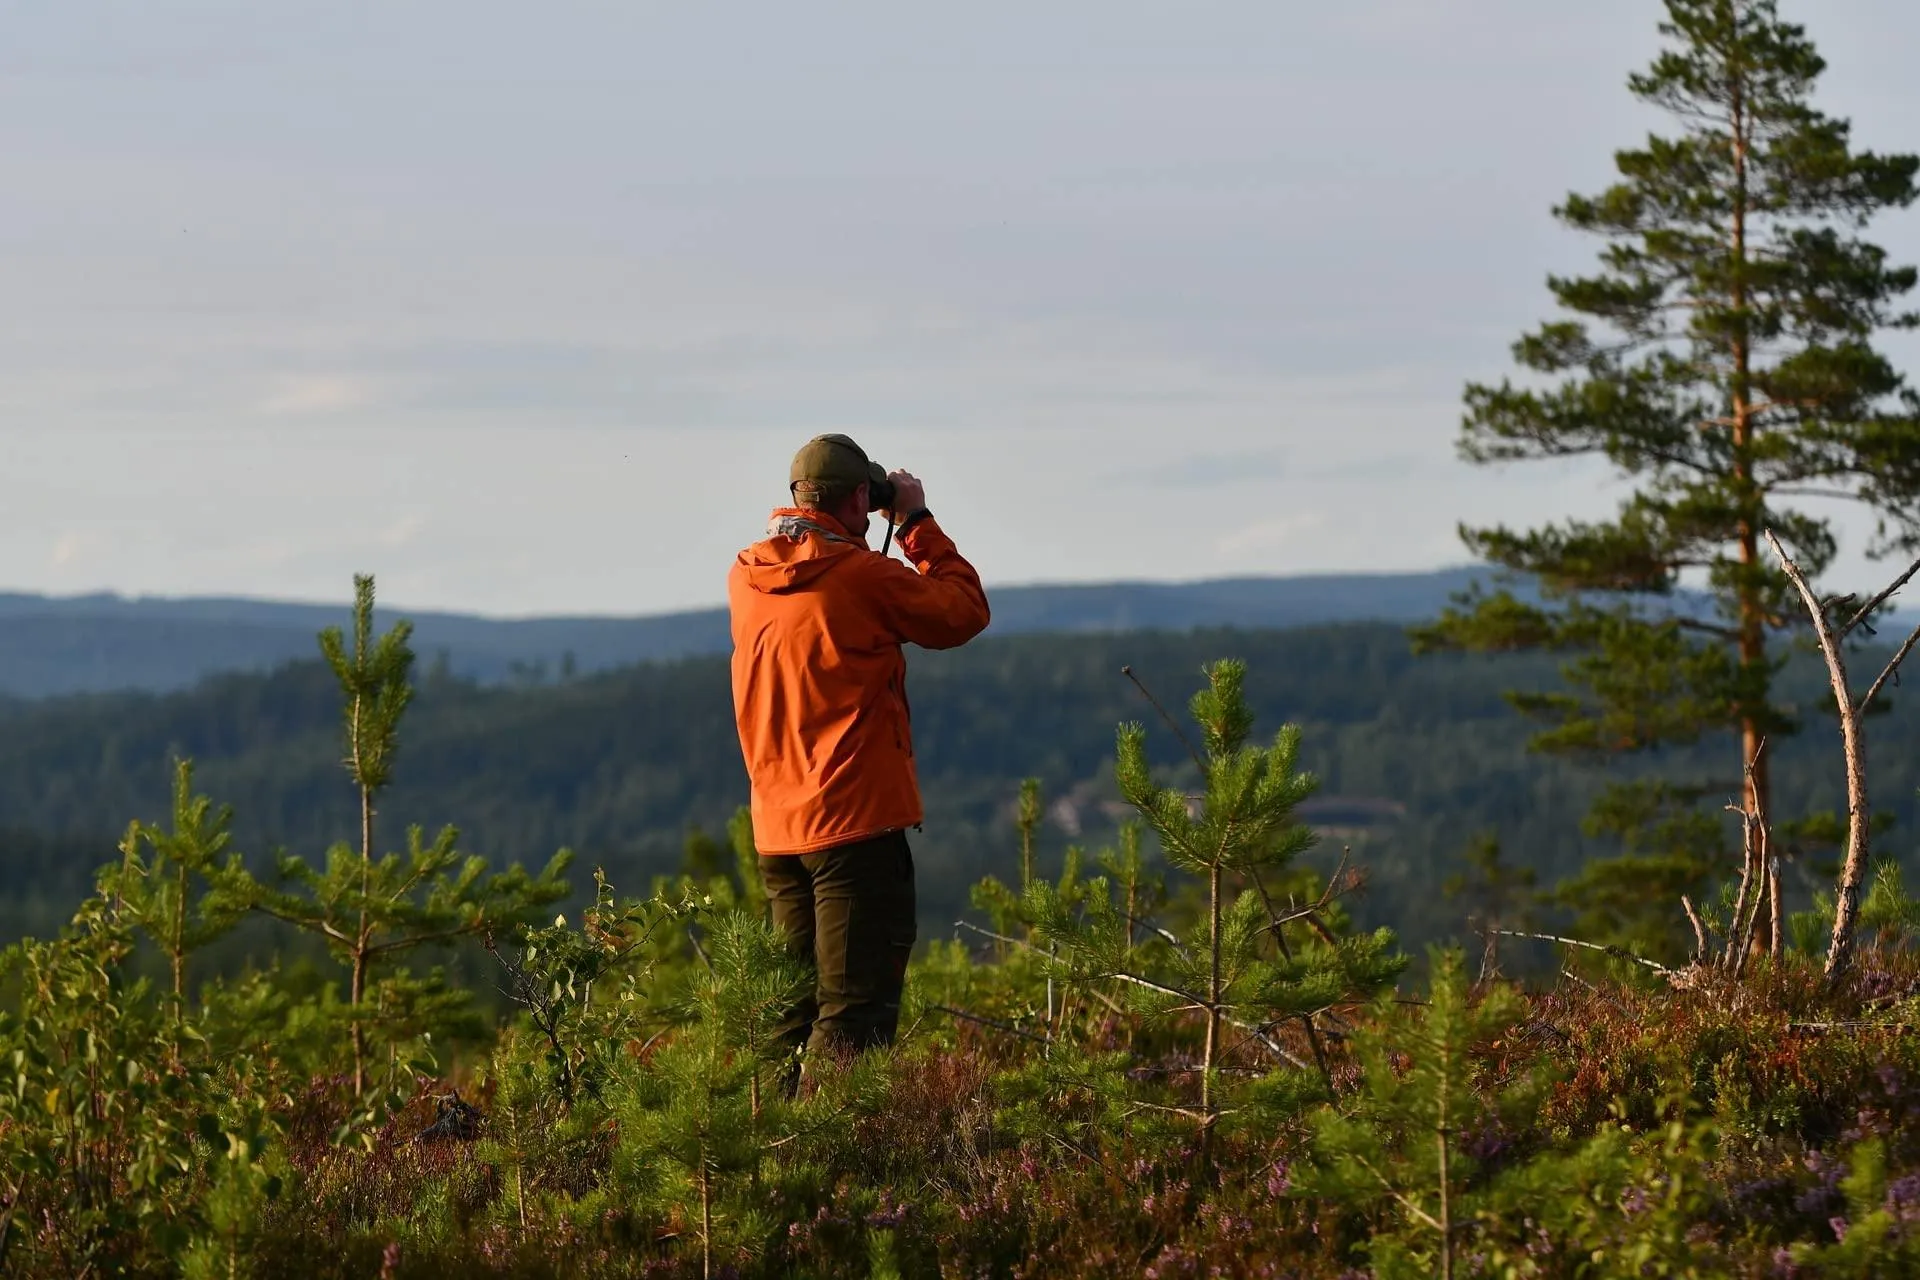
{"x":1213,"y":1008}
{"x":1752,"y":623}
{"x":362,"y":935}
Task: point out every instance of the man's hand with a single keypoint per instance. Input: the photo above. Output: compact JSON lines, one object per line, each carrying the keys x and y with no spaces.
{"x":909,"y":495}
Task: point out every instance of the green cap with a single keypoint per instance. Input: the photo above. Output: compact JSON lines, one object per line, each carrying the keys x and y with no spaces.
{"x":830,"y":467}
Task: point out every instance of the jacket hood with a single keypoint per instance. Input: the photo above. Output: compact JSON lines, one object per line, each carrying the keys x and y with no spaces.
{"x":800,"y":546}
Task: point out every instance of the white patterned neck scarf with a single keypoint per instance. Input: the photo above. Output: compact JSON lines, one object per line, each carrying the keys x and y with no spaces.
{"x":792,"y":526}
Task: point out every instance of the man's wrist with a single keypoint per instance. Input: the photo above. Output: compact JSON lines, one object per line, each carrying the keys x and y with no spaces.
{"x":913,"y":518}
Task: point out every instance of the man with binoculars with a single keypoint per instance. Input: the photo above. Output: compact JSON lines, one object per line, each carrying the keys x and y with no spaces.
{"x":820,"y":701}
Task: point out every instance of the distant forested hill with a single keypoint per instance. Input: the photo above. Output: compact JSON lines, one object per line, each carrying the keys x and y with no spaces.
{"x":1416,"y":755}
{"x":56,"y":645}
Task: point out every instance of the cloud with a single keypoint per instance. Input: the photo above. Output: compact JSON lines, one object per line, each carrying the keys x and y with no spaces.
{"x":1266,"y":535}
{"x":301,"y":396}
{"x":72,"y":546}
{"x":1209,"y":470}
{"x":402,"y":531}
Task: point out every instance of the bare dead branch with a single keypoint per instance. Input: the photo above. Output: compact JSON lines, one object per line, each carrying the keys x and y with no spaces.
{"x":1893,"y":666}
{"x":1699,"y":929}
{"x":997,"y":1025}
{"x":1605,"y":948}
{"x":1179,"y":733}
{"x":1867,"y":609}
{"x":1846,"y":898}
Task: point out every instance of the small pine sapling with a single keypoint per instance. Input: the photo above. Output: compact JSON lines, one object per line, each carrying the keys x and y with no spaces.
{"x":1237,"y":970}
{"x":373,"y":910}
{"x":174,"y":896}
{"x":1028,"y":819}
{"x":701,"y":1117}
{"x":1395,"y":1154}
{"x":246,"y":1174}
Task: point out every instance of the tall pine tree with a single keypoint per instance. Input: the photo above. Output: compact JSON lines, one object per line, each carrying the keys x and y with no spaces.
{"x":1721,"y":360}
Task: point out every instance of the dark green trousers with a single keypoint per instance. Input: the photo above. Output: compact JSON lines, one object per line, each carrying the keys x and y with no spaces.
{"x":850,"y":910}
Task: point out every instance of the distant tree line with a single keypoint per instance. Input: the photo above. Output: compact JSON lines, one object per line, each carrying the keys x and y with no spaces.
{"x":1418,"y":758}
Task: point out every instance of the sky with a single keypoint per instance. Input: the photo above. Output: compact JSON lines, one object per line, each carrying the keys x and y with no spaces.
{"x":525,"y":308}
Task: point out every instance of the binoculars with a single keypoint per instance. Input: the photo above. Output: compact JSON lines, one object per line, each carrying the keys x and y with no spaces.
{"x":880,"y":490}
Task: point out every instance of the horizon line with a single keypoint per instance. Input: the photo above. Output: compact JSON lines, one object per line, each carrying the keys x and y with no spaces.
{"x":122,"y":596}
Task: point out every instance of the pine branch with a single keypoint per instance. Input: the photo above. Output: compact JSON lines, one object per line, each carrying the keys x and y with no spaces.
{"x":1797,"y":491}
{"x":312,"y":924}
{"x":420,"y":939}
{"x":1266,"y":1041}
{"x":1165,"y":934}
{"x":1199,"y":1117}
{"x":1412,"y":1208}
{"x":1714,"y":629}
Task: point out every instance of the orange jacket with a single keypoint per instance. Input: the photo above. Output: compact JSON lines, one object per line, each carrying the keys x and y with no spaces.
{"x":820,"y":683}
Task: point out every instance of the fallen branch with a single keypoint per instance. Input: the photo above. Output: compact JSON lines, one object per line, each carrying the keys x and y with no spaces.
{"x":1605,"y":948}
{"x":997,"y":1025}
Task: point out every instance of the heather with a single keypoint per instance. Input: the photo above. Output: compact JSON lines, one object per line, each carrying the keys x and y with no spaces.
{"x":1175,"y":1056}
{"x":631,"y":1124}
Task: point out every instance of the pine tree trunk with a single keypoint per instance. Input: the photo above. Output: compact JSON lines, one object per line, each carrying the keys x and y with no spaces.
{"x":706,"y":1220}
{"x":1752,"y":624}
{"x":178,"y":950}
{"x":361,"y":937}
{"x":1213,"y":1002}
{"x":1442,"y":1131}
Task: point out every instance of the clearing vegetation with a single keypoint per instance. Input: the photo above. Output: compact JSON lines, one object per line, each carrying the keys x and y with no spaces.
{"x":1179,"y":1056}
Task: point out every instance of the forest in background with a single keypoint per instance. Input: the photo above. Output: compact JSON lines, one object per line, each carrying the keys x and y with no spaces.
{"x":1417,"y":757}
{"x":104,"y":643}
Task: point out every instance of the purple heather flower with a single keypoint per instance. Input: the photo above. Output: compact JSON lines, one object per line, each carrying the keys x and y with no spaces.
{"x":1903,"y":1197}
{"x":1279,"y":1181}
